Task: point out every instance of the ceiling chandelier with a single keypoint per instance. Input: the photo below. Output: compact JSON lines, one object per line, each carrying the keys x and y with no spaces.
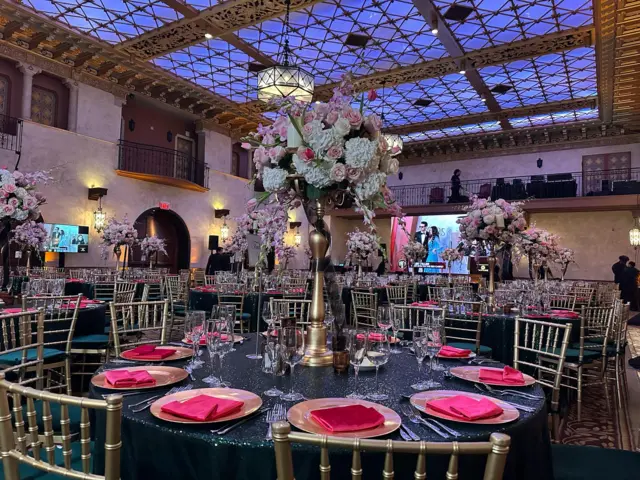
{"x":284,"y":80}
{"x":394,"y":142}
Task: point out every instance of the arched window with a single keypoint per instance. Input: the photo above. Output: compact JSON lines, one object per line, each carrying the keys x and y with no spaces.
{"x":44,"y":105}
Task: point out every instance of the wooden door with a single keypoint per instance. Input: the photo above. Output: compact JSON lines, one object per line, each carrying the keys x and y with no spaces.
{"x":184,"y":159}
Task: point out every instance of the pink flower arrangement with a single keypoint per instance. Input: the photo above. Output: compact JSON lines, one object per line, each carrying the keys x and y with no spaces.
{"x":496,"y":223}
{"x":413,"y":251}
{"x":284,"y":254}
{"x":153,"y":244}
{"x":19,"y":200}
{"x":451,"y":255}
{"x":539,"y":244}
{"x":565,"y":256}
{"x":117,"y":234}
{"x":30,"y":236}
{"x":361,"y":245}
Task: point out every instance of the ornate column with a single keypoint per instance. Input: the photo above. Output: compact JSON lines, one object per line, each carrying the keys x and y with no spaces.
{"x":72,"y":119}
{"x":28,"y":72}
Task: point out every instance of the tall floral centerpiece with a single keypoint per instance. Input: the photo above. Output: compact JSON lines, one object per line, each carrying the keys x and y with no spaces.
{"x":360,"y":247}
{"x":19,"y":201}
{"x":412,"y":252}
{"x":565,"y":257}
{"x":540,"y":246}
{"x":492,"y":225}
{"x":284,"y":253}
{"x":30,"y":236}
{"x":151,"y":245}
{"x":336,"y":158}
{"x":451,"y":255}
{"x":117,"y":234}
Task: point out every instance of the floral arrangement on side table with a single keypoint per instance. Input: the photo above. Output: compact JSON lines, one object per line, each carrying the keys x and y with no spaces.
{"x":360,"y":246}
{"x":539,"y":244}
{"x":115,"y":235}
{"x":151,"y":245}
{"x":30,"y":236}
{"x":565,"y":257}
{"x":413,"y":251}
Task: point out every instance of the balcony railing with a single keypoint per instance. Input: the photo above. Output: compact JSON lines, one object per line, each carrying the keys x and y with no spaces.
{"x":557,"y":185}
{"x":156,"y":164}
{"x":10,"y":133}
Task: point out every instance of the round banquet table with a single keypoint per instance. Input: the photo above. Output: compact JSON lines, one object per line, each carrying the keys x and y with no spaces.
{"x":152,"y":448}
{"x":75,"y":287}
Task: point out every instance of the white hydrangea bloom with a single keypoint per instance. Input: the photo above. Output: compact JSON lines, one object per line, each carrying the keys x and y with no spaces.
{"x":370,"y":185}
{"x":359,"y":152}
{"x":274,"y":179}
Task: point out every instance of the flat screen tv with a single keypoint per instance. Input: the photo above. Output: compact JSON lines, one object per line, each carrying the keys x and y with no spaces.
{"x":67,"y":238}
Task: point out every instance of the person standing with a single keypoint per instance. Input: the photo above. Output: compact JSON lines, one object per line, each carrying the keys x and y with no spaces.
{"x":215,"y":262}
{"x":618,"y":267}
{"x":629,"y":285}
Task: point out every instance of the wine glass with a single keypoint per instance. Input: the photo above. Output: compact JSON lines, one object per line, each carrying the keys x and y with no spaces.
{"x":272,"y":356}
{"x":378,"y":352}
{"x":292,"y":344}
{"x":329,"y":316}
{"x":357,"y":350}
{"x":436,"y":336}
{"x":194,"y":330}
{"x":25,"y":288}
{"x":433,"y":346}
{"x":224,"y":341}
{"x":396,"y":319}
{"x":420,"y":338}
{"x":268,"y":315}
{"x":211,"y":340}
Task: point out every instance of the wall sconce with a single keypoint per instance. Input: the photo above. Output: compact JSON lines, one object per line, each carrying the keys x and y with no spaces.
{"x":99,"y":216}
{"x":297,"y":238}
{"x":634,"y":233}
{"x":224,"y":229}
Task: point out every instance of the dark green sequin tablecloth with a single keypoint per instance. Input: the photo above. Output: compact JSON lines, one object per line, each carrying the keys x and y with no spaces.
{"x":74,"y":288}
{"x":158,"y":450}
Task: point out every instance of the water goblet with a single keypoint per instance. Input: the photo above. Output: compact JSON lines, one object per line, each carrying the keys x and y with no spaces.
{"x":211,"y":341}
{"x":420,"y":349}
{"x":378,"y":353}
{"x":272,"y":359}
{"x":436,"y":335}
{"x":194,"y":325}
{"x":292,"y":344}
{"x":224,"y":332}
{"x":396,"y":324}
{"x":357,"y":351}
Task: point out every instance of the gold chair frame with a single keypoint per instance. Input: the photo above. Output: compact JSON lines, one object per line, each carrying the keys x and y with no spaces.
{"x":468,"y":326}
{"x":20,"y":338}
{"x":365,"y":308}
{"x":138,"y":319}
{"x":398,"y":294}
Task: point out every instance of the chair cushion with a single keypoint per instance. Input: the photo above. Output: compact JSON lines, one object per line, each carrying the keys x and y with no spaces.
{"x":244,"y":316}
{"x":90,"y":341}
{"x":30,"y":473}
{"x":484,"y":350}
{"x":15,"y":358}
{"x":573,"y":462}
{"x":573,"y":354}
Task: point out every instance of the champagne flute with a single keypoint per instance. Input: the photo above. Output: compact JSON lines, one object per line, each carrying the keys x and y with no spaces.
{"x":433,"y":346}
{"x":211,"y":341}
{"x":292,"y":342}
{"x":420,"y":338}
{"x":194,"y":329}
{"x":395,"y":317}
{"x":224,"y":342}
{"x":272,"y":355}
{"x":437,"y":334}
{"x":357,"y":350}
{"x":378,"y":352}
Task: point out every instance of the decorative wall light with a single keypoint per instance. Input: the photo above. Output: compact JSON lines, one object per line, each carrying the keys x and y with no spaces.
{"x":297,"y":238}
{"x":99,"y":216}
{"x":224,"y":229}
{"x":284,"y":80}
{"x":634,"y":233}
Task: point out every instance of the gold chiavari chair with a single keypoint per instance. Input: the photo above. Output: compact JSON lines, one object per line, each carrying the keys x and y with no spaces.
{"x":290,"y":308}
{"x":139,"y":323}
{"x":294,"y":288}
{"x":152,"y":291}
{"x":60,"y":317}
{"x":412,"y":316}
{"x":105,"y":291}
{"x":496,"y":450}
{"x":581,"y":363}
{"x":433,"y":292}
{"x":198,"y":277}
{"x":365,"y":308}
{"x":397,"y":294}
{"x":209,"y":279}
{"x":463,"y":325}
{"x":542,"y":347}
{"x":616,"y":346}
{"x":563,"y":302}
{"x":125,"y":291}
{"x":236,"y":300}
{"x":28,"y":451}
{"x":412,"y":291}
{"x":584,"y":295}
{"x":177,"y":303}
{"x":22,"y":346}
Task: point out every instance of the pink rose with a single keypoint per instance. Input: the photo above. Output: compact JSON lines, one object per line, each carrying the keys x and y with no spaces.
{"x":252,"y":204}
{"x":395,"y":150}
{"x":14,"y":201}
{"x":9,"y":188}
{"x":276,"y":153}
{"x":354,"y":117}
{"x":282,"y":131}
{"x":307,"y":129}
{"x":260,"y":157}
{"x":372,"y":123}
{"x":8,"y":209}
{"x":354,"y":174}
{"x":310,"y":116}
{"x":332,"y":117}
{"x":338,"y":172}
{"x":246,"y":145}
{"x":372,"y":95}
{"x":335,"y":152}
{"x":306,"y":154}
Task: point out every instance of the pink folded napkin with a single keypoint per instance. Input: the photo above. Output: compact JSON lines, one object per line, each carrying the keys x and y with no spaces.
{"x":540,"y":316}
{"x":12,"y":310}
{"x":454,"y":352}
{"x":202,"y":408}
{"x":126,"y":378}
{"x":350,"y":418}
{"x":465,"y":408}
{"x":149,"y":352}
{"x":506,"y":376}
{"x":274,"y":292}
{"x":428,"y":303}
{"x":378,"y":337}
{"x":75,"y":280}
{"x":565,"y":314}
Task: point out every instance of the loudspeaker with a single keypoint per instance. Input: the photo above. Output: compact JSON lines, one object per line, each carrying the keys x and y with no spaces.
{"x":213,"y":242}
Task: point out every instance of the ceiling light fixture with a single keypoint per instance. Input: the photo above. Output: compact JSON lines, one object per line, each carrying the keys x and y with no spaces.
{"x":208,"y":36}
{"x":462,"y":65}
{"x":433,"y":21}
{"x":483,"y":97}
{"x":284,"y":80}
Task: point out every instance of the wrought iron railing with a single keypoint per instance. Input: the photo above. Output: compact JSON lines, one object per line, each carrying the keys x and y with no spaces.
{"x":10,"y":133}
{"x":557,"y":185}
{"x":165,"y":162}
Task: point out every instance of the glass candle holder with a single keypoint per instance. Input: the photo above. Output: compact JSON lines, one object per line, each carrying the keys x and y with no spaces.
{"x":341,"y":361}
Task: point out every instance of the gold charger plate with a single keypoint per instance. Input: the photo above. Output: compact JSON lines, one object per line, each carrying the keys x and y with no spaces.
{"x":164,"y":376}
{"x":181,"y":352}
{"x":471,"y":373}
{"x":252,"y":402}
{"x":420,"y":399}
{"x":300,"y":416}
{"x":203,"y":341}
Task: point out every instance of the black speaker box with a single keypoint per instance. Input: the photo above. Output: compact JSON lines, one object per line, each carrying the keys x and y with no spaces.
{"x":213,"y":242}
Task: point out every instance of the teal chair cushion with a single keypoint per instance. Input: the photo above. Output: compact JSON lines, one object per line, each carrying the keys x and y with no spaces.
{"x":484,"y":350}
{"x":244,"y":316}
{"x":573,"y":354}
{"x":573,"y":462}
{"x":48,"y":355}
{"x":30,"y":473}
{"x":90,"y":341}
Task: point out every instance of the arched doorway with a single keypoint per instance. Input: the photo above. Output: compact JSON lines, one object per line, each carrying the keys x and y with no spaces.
{"x":168,"y":225}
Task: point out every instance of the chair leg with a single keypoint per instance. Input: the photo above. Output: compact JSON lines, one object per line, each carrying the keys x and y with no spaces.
{"x":67,"y":374}
{"x":579,"y":393}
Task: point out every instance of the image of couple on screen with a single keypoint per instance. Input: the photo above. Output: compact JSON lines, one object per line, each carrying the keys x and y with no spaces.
{"x":429,"y":237}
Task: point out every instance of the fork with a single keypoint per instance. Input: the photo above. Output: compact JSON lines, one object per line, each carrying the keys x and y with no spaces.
{"x":277,"y":414}
{"x":524,"y":408}
{"x":146,"y":405}
{"x":515,"y":393}
{"x":417,"y":419}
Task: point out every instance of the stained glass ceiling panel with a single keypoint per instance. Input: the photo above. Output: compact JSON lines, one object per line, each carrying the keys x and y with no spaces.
{"x":548,"y":78}
{"x":113,"y":21}
{"x":398,"y":36}
{"x":452,"y":132}
{"x":496,"y":22}
{"x":555,"y":118}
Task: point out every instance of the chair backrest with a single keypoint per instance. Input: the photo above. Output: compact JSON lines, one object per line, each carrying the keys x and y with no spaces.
{"x":198,"y":277}
{"x":548,"y":341}
{"x":397,"y":294}
{"x":463,"y":321}
{"x":235,"y":300}
{"x":291,"y":308}
{"x":496,"y":450}
{"x":125,"y":291}
{"x":595,"y":329}
{"x":105,"y":291}
{"x":619,"y":325}
{"x":412,"y":316}
{"x":22,"y":332}
{"x":209,"y":279}
{"x":412,"y":291}
{"x":139,"y":323}
{"x":22,"y":443}
{"x":563,"y":302}
{"x":60,"y":317}
{"x":583,"y":295}
{"x":365,"y":308}
{"x":152,"y":291}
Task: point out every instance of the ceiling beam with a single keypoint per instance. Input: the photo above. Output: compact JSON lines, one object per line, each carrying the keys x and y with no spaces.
{"x":188,"y":11}
{"x":539,"y":109}
{"x":223,"y":18}
{"x":431,"y":15}
{"x":605,"y":17}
